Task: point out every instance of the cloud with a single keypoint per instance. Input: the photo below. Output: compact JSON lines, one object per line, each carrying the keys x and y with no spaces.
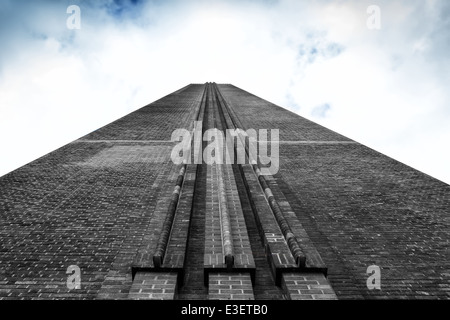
{"x":387,"y":88}
{"x":320,"y":111}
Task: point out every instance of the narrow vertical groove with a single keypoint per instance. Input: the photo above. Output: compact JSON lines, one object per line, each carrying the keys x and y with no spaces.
{"x":227,"y":240}
{"x":163,"y":240}
{"x":264,"y":288}
{"x":193,"y":287}
{"x":298,"y":254}
{"x":294,"y":247}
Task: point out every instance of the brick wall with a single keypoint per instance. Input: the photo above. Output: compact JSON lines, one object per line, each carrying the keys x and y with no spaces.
{"x":230,"y":286}
{"x":98,"y":203}
{"x":359,"y":207}
{"x":153,"y":286}
{"x":308,"y":286}
{"x":88,"y":204}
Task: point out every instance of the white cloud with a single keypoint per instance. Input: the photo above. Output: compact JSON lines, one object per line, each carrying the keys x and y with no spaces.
{"x":386,"y":89}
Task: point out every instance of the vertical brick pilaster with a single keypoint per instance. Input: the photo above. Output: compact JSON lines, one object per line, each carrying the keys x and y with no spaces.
{"x":307,"y":286}
{"x":154,"y":286}
{"x":230,"y":286}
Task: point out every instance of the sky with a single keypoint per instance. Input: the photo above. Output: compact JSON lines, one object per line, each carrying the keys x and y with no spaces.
{"x":386,"y":87}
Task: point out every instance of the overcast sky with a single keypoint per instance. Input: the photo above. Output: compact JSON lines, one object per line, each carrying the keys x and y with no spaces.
{"x":387,"y":88}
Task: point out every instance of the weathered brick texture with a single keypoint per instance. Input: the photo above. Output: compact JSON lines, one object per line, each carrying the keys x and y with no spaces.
{"x":153,"y":286}
{"x":88,"y":204}
{"x":99,"y":203}
{"x":358,"y":207}
{"x":308,"y":286}
{"x":230,"y":286}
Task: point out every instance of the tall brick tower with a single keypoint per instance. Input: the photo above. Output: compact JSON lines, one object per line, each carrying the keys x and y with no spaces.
{"x":111,"y":216}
